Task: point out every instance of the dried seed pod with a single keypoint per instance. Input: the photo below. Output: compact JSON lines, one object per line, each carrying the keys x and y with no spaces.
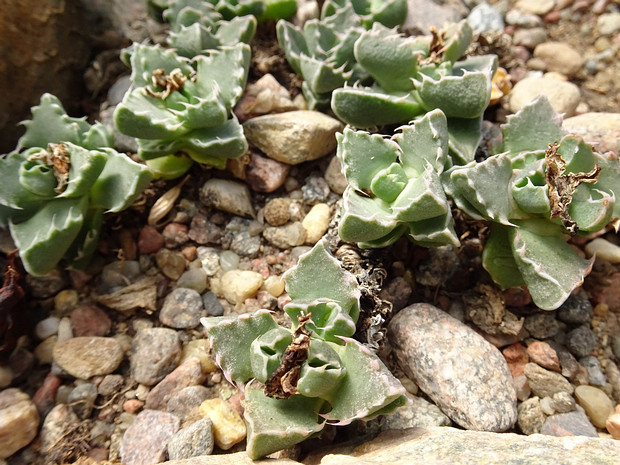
{"x":164,"y":204}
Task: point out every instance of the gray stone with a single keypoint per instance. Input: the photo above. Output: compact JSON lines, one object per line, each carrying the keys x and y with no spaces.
{"x":155,"y":352}
{"x":484,"y":17}
{"x":615,"y":345}
{"x":458,"y":369}
{"x":83,"y":357}
{"x":189,"y":373}
{"x":226,"y":195}
{"x":600,"y":129}
{"x":315,"y":190}
{"x":422,"y":14}
{"x":147,"y":438}
{"x":416,"y":413}
{"x":575,"y":310}
{"x":574,"y":423}
{"x":194,"y":278}
{"x":531,"y":417}
{"x":212,"y":304}
{"x":192,"y":441}
{"x":59,"y":422}
{"x":519,"y":18}
{"x":563,"y":96}
{"x":185,"y":403}
{"x":182,"y":309}
{"x":581,"y":341}
{"x":593,"y":367}
{"x":563,"y":402}
{"x":295,"y":136}
{"x":244,"y":244}
{"x":334,"y":176}
{"x":530,"y":38}
{"x":541,"y":325}
{"x":82,"y":400}
{"x":287,"y":236}
{"x":545,"y":383}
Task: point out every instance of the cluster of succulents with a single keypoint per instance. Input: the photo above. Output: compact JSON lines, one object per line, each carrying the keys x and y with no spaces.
{"x":263,"y":10}
{"x":300,"y":379}
{"x":58,"y":183}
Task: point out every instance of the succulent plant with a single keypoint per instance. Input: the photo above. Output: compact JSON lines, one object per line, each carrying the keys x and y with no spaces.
{"x":58,"y":183}
{"x":297,"y":380}
{"x":394,"y":185}
{"x":541,"y":186}
{"x":390,"y":13}
{"x":414,"y":75}
{"x":191,"y":10}
{"x":180,"y":110}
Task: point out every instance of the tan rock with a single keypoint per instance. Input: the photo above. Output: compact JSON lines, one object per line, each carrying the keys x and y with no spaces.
{"x":19,"y":421}
{"x":238,"y":285}
{"x":596,"y":403}
{"x":84,"y":357}
{"x":600,"y":129}
{"x":613,"y":423}
{"x":563,"y":96}
{"x":228,"y":426}
{"x":199,"y":348}
{"x":559,"y":57}
{"x":316,"y":222}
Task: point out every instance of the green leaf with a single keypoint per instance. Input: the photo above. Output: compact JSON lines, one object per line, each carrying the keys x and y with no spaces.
{"x":458,"y":36}
{"x":170,"y":166}
{"x":464,"y":138}
{"x":433,"y":232}
{"x":591,"y":208}
{"x":498,"y":258}
{"x":423,"y":198}
{"x":322,"y":372}
{"x":85,"y":244}
{"x":267,"y":352}
{"x":389,"y":182}
{"x":292,"y":42}
{"x":86,"y":166}
{"x":329,"y":320}
{"x":321,"y":76}
{"x":14,"y":194}
{"x":239,"y":29}
{"x":192,"y":40}
{"x":213,"y":146}
{"x":145,"y":59}
{"x":37,"y":178}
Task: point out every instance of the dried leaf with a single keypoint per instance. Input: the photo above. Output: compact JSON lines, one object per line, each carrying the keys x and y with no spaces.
{"x":562,"y":186}
{"x":164,"y":204}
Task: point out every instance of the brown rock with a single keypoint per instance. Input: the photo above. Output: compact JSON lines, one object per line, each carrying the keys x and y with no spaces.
{"x":84,"y":357}
{"x":45,"y":397}
{"x":544,"y":355}
{"x":276,"y":211}
{"x":264,"y":174}
{"x":560,"y":58}
{"x":516,"y":356}
{"x":189,"y":373}
{"x":150,"y":240}
{"x":89,"y":320}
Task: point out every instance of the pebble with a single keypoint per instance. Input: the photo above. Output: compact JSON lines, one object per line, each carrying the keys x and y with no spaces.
{"x":596,"y":403}
{"x":182,"y":309}
{"x":110,"y":384}
{"x":172,"y":264}
{"x":530,"y":38}
{"x":210,"y":260}
{"x":335,"y":177}
{"x":203,"y":231}
{"x":146,"y":440}
{"x":603,"y":249}
{"x":615,"y":345}
{"x":457,"y":368}
{"x":563,"y":402}
{"x":48,"y":285}
{"x":276,"y":211}
{"x":484,"y":18}
{"x":212,"y":304}
{"x":593,"y":367}
{"x":315,"y":190}
{"x":541,"y":325}
{"x":544,"y":355}
{"x":397,"y":291}
{"x":546,"y":404}
{"x":6,"y":376}
{"x":293,"y":137}
{"x":274,"y":285}
{"x":563,"y":96}
{"x":238,"y":285}
{"x":560,"y":57}
{"x":175,"y":235}
{"x":575,"y":310}
{"x":133,"y":406}
{"x":58,"y":424}
{"x":228,"y":196}
{"x":517,"y":357}
{"x":608,"y":23}
{"x":65,"y":329}
{"x":44,"y":352}
{"x":544,"y":382}
{"x":19,"y":421}
{"x":531,"y":416}
{"x":316,"y":222}
{"x":287,"y":236}
{"x":264,"y":96}
{"x":537,"y":7}
{"x":194,"y":279}
{"x":518,"y":18}
{"x":89,"y":320}
{"x":613,"y":423}
{"x":118,"y":274}
{"x":581,"y":341}
{"x":199,"y":348}
{"x":192,"y":441}
{"x":186,"y":402}
{"x":155,"y":352}
{"x":245,"y":244}
{"x":569,"y":424}
{"x":83,"y":357}
{"x":229,"y":260}
{"x":264,"y":174}
{"x":188,"y":373}
{"x":82,"y":400}
{"x":417,"y":412}
{"x":46,"y":327}
{"x":424,"y":14}
{"x":65,"y":301}
{"x":45,"y":396}
{"x":228,"y":426}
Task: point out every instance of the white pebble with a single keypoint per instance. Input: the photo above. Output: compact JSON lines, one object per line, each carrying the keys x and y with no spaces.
{"x":46,"y":328}
{"x":316,"y":222}
{"x":604,"y":250}
{"x":229,"y":260}
{"x":65,"y":329}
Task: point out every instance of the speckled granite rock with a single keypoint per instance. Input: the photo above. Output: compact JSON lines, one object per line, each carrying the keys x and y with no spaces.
{"x":464,"y":374}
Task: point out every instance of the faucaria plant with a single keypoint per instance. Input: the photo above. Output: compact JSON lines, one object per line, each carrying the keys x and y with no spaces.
{"x":541,"y":187}
{"x":413,"y":75}
{"x":300,"y":379}
{"x":390,"y":13}
{"x":180,"y":110}
{"x":394,"y":185}
{"x":228,"y":9}
{"x":57,"y":185}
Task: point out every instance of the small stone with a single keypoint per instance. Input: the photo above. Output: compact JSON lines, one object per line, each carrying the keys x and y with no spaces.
{"x":276,"y":211}
{"x":316,"y":222}
{"x":315,"y":190}
{"x":44,"y":352}
{"x":613,"y":423}
{"x":65,"y":329}
{"x":65,"y":301}
{"x":531,"y":417}
{"x":110,"y":384}
{"x":518,"y":18}
{"x":537,"y":7}
{"x":89,"y":320}
{"x":185,"y":403}
{"x":155,"y":352}
{"x":517,"y":357}
{"x":334,"y":176}
{"x":569,"y":424}
{"x":593,"y":367}
{"x":541,"y":325}
{"x":546,"y":404}
{"x":448,"y":359}
{"x":522,"y":387}
{"x":133,"y":406}
{"x":581,"y":341}
{"x":563,"y":402}
{"x":544,"y":382}
{"x":229,"y":196}
{"x":596,"y":403}
{"x":416,"y":413}
{"x":397,"y":291}
{"x":193,"y":441}
{"x":563,"y":96}
{"x":229,"y":260}
{"x":228,"y":426}
{"x":141,"y":294}
{"x":530,"y":38}
{"x":238,"y":285}
{"x":293,"y":137}
{"x":609,"y":23}
{"x":543,"y":354}
{"x":199,"y":348}
{"x":264,"y":174}
{"x":287,"y":236}
{"x":83,"y":357}
{"x":600,"y":129}
{"x":212,"y":304}
{"x":146,"y":440}
{"x":194,"y":279}
{"x":484,"y":18}
{"x":6,"y":376}
{"x":274,"y":285}
{"x":60,"y":422}
{"x":604,"y":250}
{"x":82,"y":400}
{"x":172,"y":264}
{"x":575,"y":310}
{"x":203,"y":231}
{"x":264,"y":96}
{"x":560,"y":57}
{"x":46,"y":328}
{"x":150,"y":240}
{"x":45,"y":396}
{"x":42,"y":287}
{"x":175,"y":235}
{"x":19,"y":421}
{"x":188,"y":373}
{"x":182,"y":309}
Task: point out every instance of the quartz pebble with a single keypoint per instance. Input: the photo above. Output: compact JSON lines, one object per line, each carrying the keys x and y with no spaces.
{"x":194,"y":279}
{"x":287,"y":236}
{"x":264,"y":174}
{"x":44,"y":352}
{"x":192,"y":441}
{"x":188,"y":373}
{"x":613,"y":423}
{"x":199,"y":348}
{"x":238,"y":285}
{"x":274,"y":285}
{"x":454,"y":366}
{"x":316,"y":222}
{"x":544,"y":382}
{"x":83,"y":357}
{"x":228,"y":426}
{"x":563,"y":96}
{"x":608,"y":24}
{"x":483,"y":17}
{"x":47,"y":327}
{"x":596,"y":403}
{"x":604,"y":250}
{"x":155,"y":352}
{"x":19,"y":421}
{"x":147,"y":438}
{"x":182,"y":309}
{"x":537,"y":7}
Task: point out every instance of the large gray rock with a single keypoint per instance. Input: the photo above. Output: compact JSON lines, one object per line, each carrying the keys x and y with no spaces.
{"x":458,"y":369}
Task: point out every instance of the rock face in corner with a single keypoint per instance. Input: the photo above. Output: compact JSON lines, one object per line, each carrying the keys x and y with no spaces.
{"x":465,"y":375}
